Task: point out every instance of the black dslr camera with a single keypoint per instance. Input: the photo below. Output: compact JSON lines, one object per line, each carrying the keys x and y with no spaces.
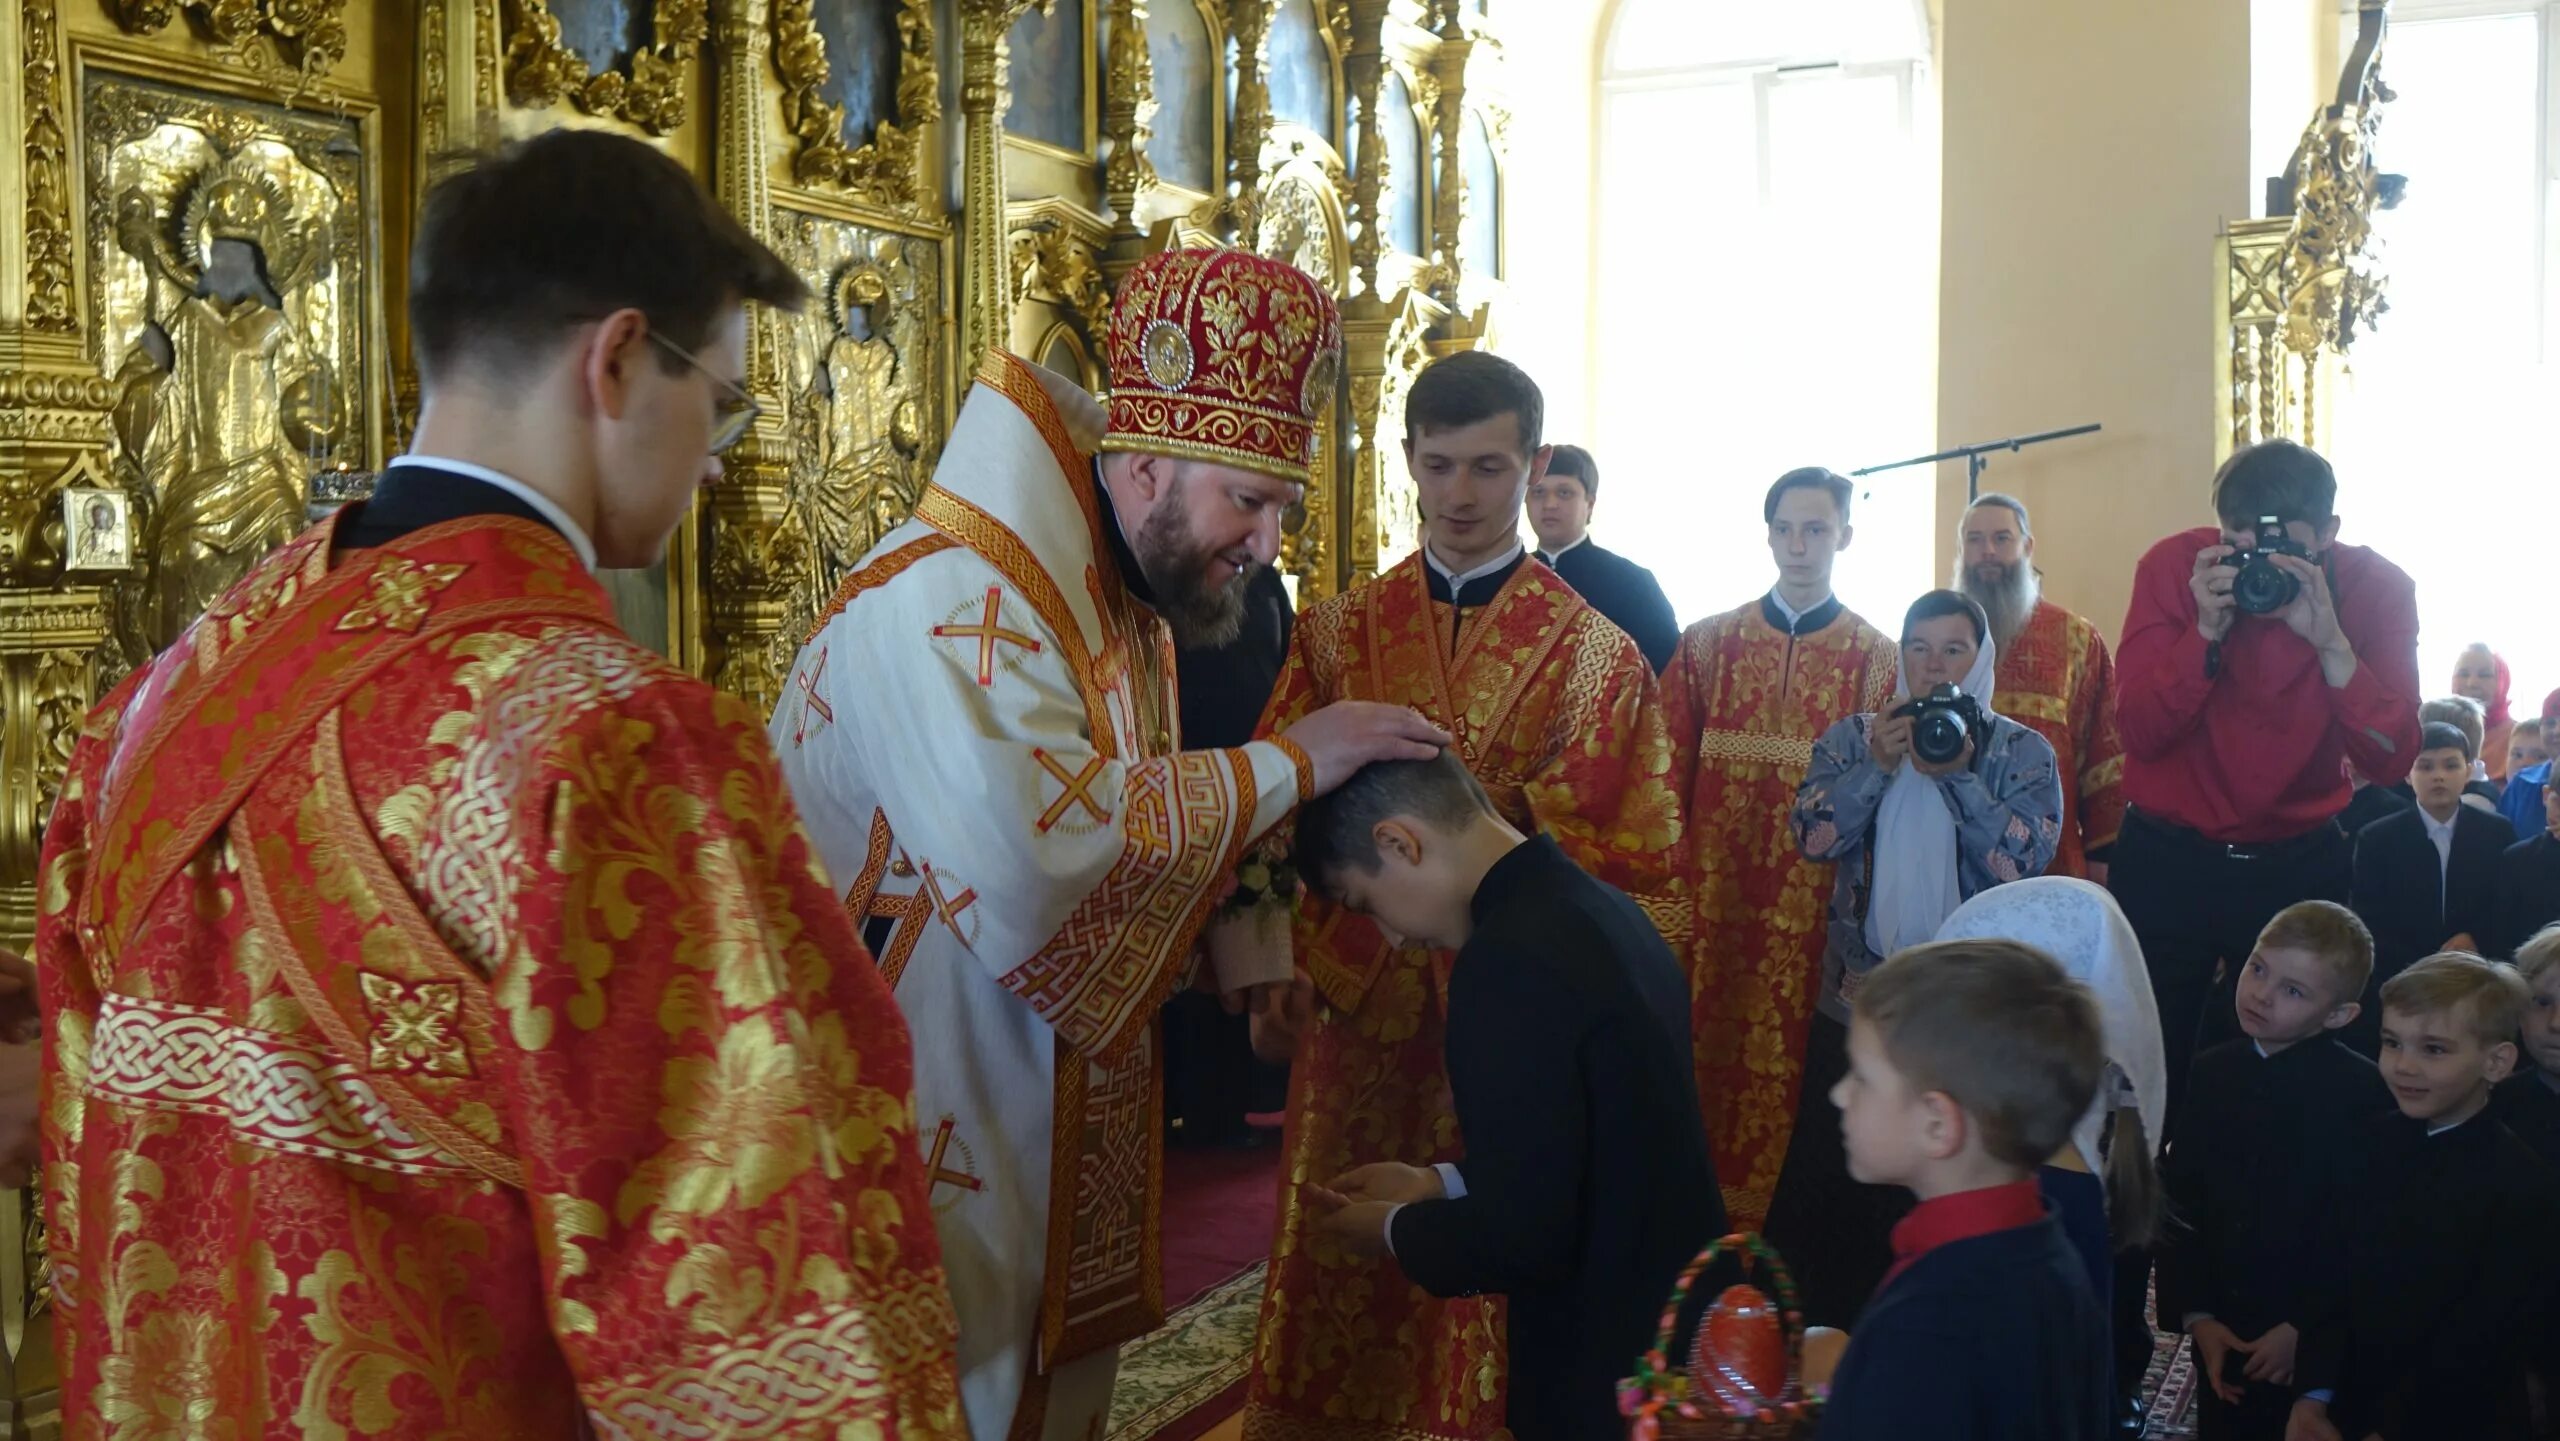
{"x":1942,"y":721}
{"x":2261,"y":587}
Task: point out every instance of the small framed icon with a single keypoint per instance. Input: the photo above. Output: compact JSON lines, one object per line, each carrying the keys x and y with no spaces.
{"x":97,"y":529}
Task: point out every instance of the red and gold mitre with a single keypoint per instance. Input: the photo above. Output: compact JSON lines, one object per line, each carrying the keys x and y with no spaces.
{"x":1223,"y":356}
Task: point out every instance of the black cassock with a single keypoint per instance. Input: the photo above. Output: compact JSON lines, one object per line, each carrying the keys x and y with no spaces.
{"x":1626,"y":593}
{"x":1210,"y":1076}
{"x":2451,"y":1269}
{"x":1588,"y":1182}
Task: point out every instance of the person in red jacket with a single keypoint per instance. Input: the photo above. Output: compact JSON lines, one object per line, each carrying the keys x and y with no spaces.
{"x":2238,"y":725}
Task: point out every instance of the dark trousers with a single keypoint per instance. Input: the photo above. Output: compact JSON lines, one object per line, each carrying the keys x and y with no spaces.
{"x":2197,"y":907}
{"x":1834,"y":1233}
{"x":2260,"y":1416}
{"x":1211,"y":1078}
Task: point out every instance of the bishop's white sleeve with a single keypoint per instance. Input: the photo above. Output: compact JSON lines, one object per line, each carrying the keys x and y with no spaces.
{"x":1079,"y":877}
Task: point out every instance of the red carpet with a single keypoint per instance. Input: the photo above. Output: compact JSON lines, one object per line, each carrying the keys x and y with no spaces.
{"x":1219,"y":1208}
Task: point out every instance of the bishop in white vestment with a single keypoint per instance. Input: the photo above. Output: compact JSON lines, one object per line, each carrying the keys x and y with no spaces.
{"x":981,"y":737}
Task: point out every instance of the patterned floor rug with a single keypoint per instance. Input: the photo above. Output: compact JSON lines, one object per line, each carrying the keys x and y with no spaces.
{"x":1189,"y":1375}
{"x":2171,"y":1385}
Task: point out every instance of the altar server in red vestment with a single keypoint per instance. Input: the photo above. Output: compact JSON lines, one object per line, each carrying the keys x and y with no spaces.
{"x":1553,"y":709}
{"x":1745,"y":698}
{"x":449,"y":1029}
{"x":2055,"y":678}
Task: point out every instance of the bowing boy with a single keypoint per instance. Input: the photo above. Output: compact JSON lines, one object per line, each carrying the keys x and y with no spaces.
{"x":1586,"y":1184}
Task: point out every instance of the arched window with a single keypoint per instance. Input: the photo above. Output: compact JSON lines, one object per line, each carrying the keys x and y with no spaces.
{"x":1764,"y":289}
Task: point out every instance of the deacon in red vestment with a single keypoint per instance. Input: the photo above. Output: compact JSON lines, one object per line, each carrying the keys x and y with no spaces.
{"x":2055,"y":678}
{"x":1553,"y":709}
{"x":1745,"y":698}
{"x":450,"y":1029}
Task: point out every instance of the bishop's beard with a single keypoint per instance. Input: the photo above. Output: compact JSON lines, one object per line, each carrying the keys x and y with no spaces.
{"x":2008,"y":599}
{"x":1202,"y":616}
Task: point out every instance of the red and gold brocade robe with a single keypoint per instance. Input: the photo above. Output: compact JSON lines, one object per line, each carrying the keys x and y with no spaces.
{"x":1553,"y":709}
{"x":2057,"y":680}
{"x":450,"y":1033}
{"x":1744,"y":702}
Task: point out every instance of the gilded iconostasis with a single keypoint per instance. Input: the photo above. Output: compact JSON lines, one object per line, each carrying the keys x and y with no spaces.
{"x":203,"y":244}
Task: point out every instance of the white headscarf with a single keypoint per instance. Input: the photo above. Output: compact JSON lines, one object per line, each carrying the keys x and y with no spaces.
{"x":2079,"y":925}
{"x":1913,"y":856}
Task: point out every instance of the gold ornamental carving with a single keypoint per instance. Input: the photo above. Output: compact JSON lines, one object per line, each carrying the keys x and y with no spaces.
{"x":1058,"y":254}
{"x":1249,"y":128}
{"x":542,"y":70}
{"x":49,"y":306}
{"x":2333,"y":275}
{"x":887,"y":173}
{"x":1365,"y":67}
{"x":985,"y":276}
{"x":311,"y":34}
{"x":230,"y":246}
{"x":1128,"y":114}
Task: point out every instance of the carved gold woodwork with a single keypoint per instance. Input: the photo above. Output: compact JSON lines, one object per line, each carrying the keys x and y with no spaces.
{"x":1128,"y":108}
{"x":1384,"y":348}
{"x":1297,"y":212}
{"x":1364,"y":69}
{"x":1059,"y":262}
{"x":2301,"y":285}
{"x":2333,"y":272}
{"x":1249,"y":126}
{"x":311,"y":34}
{"x":542,"y":71}
{"x":889,"y":171}
{"x":230,"y":281}
{"x":986,"y":270}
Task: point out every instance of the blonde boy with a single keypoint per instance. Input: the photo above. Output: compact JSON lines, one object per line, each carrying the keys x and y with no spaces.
{"x":1969,"y":1061}
{"x":2528,"y":1102}
{"x":2452,"y":1257}
{"x":2269,"y":1131}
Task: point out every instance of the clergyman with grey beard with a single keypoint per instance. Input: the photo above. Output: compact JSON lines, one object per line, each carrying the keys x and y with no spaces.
{"x":2055,"y":676}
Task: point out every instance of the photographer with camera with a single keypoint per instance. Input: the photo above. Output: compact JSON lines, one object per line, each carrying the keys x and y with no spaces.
{"x":2258,"y":660}
{"x":1921,"y":806}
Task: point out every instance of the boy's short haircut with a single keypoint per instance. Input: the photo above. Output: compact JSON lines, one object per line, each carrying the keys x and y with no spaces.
{"x":2332,"y":933}
{"x":2463,"y":714}
{"x":2436,"y":735}
{"x":1812,"y":477}
{"x":2489,"y":994}
{"x":2001,"y":1029}
{"x":2539,"y":954}
{"x":2529,"y":726}
{"x":1339,"y":831}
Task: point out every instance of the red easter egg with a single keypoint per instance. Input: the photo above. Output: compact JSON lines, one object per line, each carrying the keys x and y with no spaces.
{"x":1744,"y":1351}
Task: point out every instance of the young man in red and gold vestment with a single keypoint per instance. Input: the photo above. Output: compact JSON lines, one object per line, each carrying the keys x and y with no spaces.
{"x":1745,"y":698}
{"x":451,"y":1032}
{"x":2055,"y":678}
{"x":1553,"y":708}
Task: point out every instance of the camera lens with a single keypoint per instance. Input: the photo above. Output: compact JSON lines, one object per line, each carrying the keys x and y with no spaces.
{"x":2262,"y":589}
{"x":1937,"y":736}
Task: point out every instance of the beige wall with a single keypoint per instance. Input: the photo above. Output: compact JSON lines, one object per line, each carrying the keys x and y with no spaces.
{"x":2092,"y":151}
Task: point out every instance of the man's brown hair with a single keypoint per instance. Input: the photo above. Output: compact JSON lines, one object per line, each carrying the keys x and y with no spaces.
{"x":2001,"y":1029}
{"x":2488,"y":995}
{"x":543,"y":235}
{"x":2333,"y":934}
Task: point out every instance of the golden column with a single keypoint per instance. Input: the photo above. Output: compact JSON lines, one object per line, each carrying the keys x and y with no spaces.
{"x":986,"y":272}
{"x":1249,"y":21}
{"x":1448,"y":103}
{"x":750,"y":575}
{"x":1128,"y":111}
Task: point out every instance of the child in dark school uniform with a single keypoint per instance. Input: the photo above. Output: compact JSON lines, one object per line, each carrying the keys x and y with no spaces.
{"x":2270,"y":1135}
{"x":2451,"y":1263}
{"x":1969,"y":1063}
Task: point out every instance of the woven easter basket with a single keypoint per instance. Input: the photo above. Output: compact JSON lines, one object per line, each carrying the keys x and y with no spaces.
{"x":1668,"y":1402}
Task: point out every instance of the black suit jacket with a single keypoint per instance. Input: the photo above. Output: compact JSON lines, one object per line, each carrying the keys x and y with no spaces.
{"x":2398,"y":895}
{"x":1626,"y":593}
{"x":1588,"y":1183}
{"x":2528,"y":893}
{"x":2448,"y":1278}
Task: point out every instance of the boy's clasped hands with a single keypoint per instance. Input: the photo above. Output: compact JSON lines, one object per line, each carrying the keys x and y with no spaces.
{"x":1352,"y":1209}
